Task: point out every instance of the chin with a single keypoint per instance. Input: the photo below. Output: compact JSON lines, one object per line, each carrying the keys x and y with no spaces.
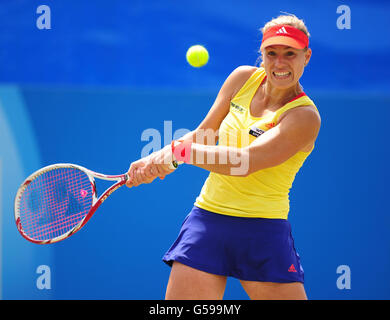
{"x":283,"y":84}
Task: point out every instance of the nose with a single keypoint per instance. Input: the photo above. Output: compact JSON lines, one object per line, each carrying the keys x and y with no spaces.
{"x":279,"y":61}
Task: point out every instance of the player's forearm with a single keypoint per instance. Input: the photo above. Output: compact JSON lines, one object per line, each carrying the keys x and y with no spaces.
{"x":219,"y":159}
{"x":201,"y":136}
{"x":189,"y":136}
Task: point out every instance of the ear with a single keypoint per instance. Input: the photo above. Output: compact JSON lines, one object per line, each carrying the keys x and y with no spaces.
{"x":307,"y":56}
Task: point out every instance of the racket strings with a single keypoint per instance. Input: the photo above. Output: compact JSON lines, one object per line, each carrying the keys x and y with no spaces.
{"x":55,"y":202}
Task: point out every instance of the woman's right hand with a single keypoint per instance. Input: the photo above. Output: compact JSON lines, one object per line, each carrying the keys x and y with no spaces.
{"x":147,"y":169}
{"x":135,"y":174}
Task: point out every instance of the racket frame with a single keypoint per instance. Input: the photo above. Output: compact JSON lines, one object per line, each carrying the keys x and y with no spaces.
{"x":96,"y":202}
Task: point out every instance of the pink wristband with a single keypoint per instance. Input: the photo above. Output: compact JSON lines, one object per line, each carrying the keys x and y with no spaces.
{"x":182,"y":152}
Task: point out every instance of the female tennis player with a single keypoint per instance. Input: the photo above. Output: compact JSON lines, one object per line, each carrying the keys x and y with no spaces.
{"x":266,"y":127}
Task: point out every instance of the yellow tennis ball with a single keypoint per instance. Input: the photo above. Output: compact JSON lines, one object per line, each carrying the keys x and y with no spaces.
{"x":197,"y":56}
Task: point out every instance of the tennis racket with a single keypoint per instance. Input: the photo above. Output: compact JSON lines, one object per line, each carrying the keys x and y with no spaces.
{"x":58,"y":200}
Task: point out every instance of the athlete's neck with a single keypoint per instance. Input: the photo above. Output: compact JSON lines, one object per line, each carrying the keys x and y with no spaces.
{"x":276,"y":96}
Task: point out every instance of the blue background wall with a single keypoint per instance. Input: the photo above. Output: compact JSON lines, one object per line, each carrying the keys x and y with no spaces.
{"x":124,"y":63}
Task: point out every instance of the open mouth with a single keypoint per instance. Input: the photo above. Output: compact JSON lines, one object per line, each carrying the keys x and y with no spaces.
{"x":281,"y":75}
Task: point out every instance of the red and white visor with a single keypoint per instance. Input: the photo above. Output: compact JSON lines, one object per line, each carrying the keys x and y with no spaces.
{"x":285,"y":35}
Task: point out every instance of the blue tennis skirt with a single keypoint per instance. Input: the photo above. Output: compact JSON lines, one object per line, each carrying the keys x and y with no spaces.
{"x":253,"y":249}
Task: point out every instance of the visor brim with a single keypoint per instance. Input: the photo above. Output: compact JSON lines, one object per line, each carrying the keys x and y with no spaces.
{"x":282,"y":40}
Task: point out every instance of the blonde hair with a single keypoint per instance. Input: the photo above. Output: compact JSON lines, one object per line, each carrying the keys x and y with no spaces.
{"x":288,"y":19}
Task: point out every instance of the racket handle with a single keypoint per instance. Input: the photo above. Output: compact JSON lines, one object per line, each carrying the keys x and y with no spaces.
{"x":173,"y":165}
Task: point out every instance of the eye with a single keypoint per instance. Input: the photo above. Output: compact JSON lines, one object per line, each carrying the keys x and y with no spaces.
{"x":271,"y":53}
{"x":290,"y":53}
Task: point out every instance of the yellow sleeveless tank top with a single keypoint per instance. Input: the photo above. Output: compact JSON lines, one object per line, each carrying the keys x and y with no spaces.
{"x":262,"y":194}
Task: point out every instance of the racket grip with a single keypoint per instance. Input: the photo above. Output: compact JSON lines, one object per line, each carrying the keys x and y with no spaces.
{"x":173,"y":165}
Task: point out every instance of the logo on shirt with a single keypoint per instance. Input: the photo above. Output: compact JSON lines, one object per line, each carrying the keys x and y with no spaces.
{"x":237,"y":107}
{"x":256,"y":132}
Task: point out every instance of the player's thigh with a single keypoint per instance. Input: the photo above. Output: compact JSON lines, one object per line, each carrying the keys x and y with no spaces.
{"x":189,"y":283}
{"x":274,"y":291}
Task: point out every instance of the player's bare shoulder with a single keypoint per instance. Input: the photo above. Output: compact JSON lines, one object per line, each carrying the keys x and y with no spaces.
{"x":242,"y":73}
{"x":239,"y":76}
{"x":303,"y":121}
{"x":307,"y":117}
{"x":303,"y":113}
